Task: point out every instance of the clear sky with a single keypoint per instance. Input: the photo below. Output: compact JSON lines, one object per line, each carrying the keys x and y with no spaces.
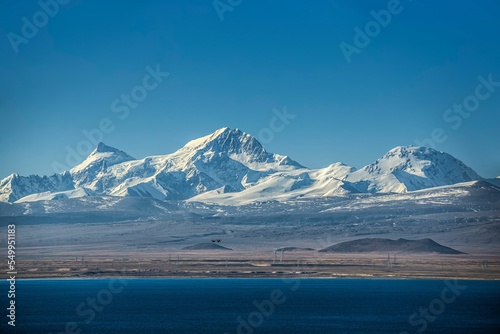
{"x":72,"y":70}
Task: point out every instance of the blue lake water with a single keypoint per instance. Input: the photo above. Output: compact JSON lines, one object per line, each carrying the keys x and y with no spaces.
{"x":253,"y":306}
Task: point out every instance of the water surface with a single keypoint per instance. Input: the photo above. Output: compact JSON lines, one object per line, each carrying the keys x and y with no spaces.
{"x":254,"y":306}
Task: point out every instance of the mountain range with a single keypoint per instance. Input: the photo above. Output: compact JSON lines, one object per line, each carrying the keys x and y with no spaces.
{"x":230,"y":166}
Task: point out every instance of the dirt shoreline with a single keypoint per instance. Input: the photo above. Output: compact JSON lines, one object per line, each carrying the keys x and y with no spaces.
{"x":295,"y":264}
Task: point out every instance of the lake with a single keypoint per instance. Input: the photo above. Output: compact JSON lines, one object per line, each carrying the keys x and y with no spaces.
{"x":253,"y":306}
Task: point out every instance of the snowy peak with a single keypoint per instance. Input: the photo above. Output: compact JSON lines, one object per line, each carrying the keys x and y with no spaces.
{"x":201,"y":142}
{"x":239,"y":146}
{"x":15,"y":186}
{"x":111,"y":154}
{"x":103,"y":148}
{"x":237,"y":142}
{"x":408,"y":168}
{"x":9,"y":179}
{"x":338,"y":170}
{"x":102,"y":155}
{"x":6,"y":194}
{"x":98,"y":161}
{"x":427,"y":162}
{"x":227,"y":141}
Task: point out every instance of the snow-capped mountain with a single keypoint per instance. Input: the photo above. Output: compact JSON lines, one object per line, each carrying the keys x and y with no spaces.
{"x":15,"y":187}
{"x":411,"y":168}
{"x":227,"y":158}
{"x":230,"y":166}
{"x":96,"y":163}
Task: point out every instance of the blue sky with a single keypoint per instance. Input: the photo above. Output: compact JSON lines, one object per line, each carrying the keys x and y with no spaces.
{"x":263,"y":55}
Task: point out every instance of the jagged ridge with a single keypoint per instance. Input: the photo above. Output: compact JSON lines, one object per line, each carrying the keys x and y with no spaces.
{"x":231,"y":165}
